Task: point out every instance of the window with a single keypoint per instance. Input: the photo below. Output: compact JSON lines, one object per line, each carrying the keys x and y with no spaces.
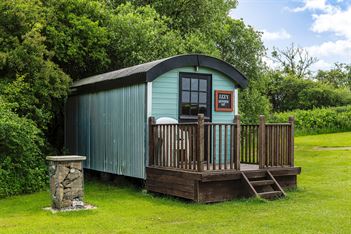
{"x":194,"y":95}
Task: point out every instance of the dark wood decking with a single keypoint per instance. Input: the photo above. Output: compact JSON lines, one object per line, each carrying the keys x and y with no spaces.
{"x":215,"y":186}
{"x":212,"y":162}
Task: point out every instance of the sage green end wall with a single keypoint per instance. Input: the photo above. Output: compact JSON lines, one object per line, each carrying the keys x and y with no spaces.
{"x":165,"y":93}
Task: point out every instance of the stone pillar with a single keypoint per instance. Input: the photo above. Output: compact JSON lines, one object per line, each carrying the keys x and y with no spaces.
{"x":66,"y":181}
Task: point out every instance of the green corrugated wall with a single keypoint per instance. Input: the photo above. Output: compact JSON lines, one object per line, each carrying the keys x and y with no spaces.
{"x":109,"y":127}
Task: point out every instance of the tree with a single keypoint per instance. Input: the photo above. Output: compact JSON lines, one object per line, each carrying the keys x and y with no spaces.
{"x":29,"y":77}
{"x":188,"y":16}
{"x":294,"y":61}
{"x":241,"y":46}
{"x":78,"y":36}
{"x":339,"y":76}
{"x":290,"y":92}
{"x":138,"y":35}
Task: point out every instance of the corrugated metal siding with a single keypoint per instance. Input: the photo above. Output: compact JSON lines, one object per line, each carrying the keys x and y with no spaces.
{"x":165,"y":93}
{"x":109,"y":127}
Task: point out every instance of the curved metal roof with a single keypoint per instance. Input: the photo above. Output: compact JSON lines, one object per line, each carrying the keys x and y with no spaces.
{"x":147,"y":72}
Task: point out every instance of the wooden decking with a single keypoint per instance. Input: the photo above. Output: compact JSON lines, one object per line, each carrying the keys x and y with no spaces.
{"x":214,"y":186}
{"x":212,"y":162}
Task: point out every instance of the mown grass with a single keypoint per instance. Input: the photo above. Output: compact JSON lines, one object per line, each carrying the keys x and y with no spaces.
{"x":321,"y":204}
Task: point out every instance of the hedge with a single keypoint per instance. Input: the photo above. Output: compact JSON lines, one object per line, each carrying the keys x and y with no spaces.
{"x":22,"y":164}
{"x":318,"y":120}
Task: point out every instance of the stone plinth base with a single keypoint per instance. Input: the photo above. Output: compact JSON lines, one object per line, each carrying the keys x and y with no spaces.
{"x":69,"y":209}
{"x":66,"y":181}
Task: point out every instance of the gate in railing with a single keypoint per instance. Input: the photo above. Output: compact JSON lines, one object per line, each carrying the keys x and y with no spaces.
{"x":203,"y":146}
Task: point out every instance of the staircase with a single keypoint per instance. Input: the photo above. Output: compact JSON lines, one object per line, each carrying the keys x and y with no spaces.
{"x":262,"y":184}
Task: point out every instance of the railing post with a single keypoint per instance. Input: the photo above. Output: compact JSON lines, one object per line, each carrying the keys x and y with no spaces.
{"x":151,"y":140}
{"x":262,"y":142}
{"x":237,"y":142}
{"x":291,"y":141}
{"x":200,"y":142}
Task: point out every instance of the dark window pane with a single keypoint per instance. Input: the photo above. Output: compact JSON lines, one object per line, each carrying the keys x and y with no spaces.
{"x":194,"y":84}
{"x":202,"y":97}
{"x":194,"y":97}
{"x":194,"y":109}
{"x":202,"y":109}
{"x":203,"y":85}
{"x":185,"y":83}
{"x":185,"y":96}
{"x":185,"y":108}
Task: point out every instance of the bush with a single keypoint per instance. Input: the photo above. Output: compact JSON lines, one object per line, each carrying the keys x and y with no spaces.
{"x":252,"y":104}
{"x":323,"y":95}
{"x":22,"y":165}
{"x":317,"y":121}
{"x":290,"y":93}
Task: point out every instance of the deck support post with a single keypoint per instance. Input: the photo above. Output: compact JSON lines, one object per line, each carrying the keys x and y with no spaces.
{"x":262,"y":142}
{"x":291,"y":141}
{"x":151,"y":140}
{"x":237,"y":142}
{"x":200,"y":142}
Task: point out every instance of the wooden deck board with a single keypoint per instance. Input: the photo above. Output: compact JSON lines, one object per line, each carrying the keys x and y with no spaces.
{"x":212,"y":185}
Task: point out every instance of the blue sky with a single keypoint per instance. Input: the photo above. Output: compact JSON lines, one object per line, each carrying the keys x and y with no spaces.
{"x":322,"y":27}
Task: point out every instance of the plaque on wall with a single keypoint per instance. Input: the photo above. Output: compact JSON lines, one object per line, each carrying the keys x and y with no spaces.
{"x":224,"y":100}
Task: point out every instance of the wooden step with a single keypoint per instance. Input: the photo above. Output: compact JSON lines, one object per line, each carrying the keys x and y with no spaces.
{"x":271,"y":195}
{"x":255,"y":174}
{"x":254,"y":179}
{"x":261,"y":182}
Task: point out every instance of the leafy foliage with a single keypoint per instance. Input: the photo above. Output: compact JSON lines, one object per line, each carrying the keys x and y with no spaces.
{"x":189,"y":16}
{"x":241,"y":46}
{"x":319,"y":120}
{"x":140,"y":34}
{"x":289,"y":93}
{"x":22,"y":165}
{"x":30,"y":78}
{"x":339,"y":76}
{"x":78,"y":36}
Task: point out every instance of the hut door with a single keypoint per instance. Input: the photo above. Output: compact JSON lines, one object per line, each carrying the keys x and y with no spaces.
{"x":195,"y":98}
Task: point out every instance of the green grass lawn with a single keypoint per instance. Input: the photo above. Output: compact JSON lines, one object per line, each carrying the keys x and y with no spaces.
{"x":321,"y":204}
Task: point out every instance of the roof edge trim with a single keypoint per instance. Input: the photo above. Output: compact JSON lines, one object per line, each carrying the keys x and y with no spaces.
{"x":150,"y":71}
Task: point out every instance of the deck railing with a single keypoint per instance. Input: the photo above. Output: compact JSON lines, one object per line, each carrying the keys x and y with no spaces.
{"x":221,"y":146}
{"x":203,"y":146}
{"x":249,"y":144}
{"x":174,"y":145}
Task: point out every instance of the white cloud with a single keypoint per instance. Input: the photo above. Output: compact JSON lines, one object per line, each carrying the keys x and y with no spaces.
{"x":335,"y":21}
{"x":338,"y":22}
{"x":273,"y":36}
{"x":321,"y":65}
{"x":331,"y":48}
{"x":314,"y":5}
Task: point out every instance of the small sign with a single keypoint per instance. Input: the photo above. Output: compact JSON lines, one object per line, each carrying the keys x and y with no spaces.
{"x":223,"y":100}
